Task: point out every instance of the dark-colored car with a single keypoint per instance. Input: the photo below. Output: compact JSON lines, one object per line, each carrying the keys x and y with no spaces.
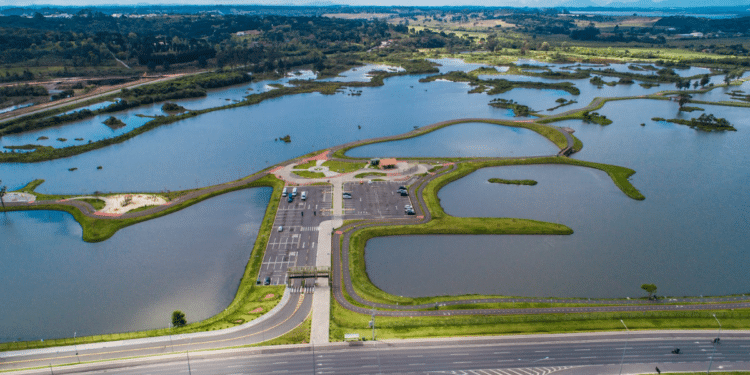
{"x":268,"y":281}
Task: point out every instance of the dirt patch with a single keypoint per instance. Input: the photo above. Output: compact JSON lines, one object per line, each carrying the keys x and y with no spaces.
{"x":239,"y":321}
{"x":259,"y":309}
{"x":269,"y":296}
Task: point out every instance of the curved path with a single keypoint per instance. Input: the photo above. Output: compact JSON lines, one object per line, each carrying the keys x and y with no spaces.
{"x":274,"y":324}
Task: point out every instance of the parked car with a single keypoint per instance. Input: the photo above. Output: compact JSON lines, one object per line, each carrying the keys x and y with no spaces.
{"x":281,"y":228}
{"x":268,"y":281}
{"x":304,"y":195}
{"x":291,"y":199}
{"x":283,"y":193}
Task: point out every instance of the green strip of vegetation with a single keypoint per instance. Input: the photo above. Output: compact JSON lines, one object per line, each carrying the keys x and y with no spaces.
{"x":512,"y":182}
{"x":309,"y":164}
{"x":345,"y":321}
{"x":500,"y":86}
{"x":100,"y":229}
{"x":342,"y":166}
{"x":548,"y":132}
{"x":98,"y":204}
{"x":308,"y":174}
{"x":368,"y":174}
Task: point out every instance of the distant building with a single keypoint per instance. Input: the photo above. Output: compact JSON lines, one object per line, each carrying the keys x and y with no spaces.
{"x":247,"y":32}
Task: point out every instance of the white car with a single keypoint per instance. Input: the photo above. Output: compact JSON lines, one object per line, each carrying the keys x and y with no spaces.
{"x":281,"y":228}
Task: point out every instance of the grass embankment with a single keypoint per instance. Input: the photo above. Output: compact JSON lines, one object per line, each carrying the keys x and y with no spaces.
{"x":100,"y":229}
{"x":345,"y":321}
{"x":342,"y":166}
{"x":98,"y":204}
{"x":248,"y":298}
{"x":308,"y":174}
{"x":307,"y":165}
{"x":512,"y":182}
{"x":254,"y":299}
{"x":443,"y":223}
{"x":548,"y":132}
{"x":370,"y":174}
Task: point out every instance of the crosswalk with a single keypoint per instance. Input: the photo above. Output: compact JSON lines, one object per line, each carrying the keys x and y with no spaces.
{"x":512,"y":371}
{"x":302,"y":289}
{"x":308,"y":229}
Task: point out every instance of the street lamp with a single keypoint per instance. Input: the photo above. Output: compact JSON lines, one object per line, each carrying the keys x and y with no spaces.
{"x":626,"y":345}
{"x":716,"y":343}
{"x":75,"y":346}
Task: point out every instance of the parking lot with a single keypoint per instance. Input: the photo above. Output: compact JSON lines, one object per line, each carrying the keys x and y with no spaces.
{"x":374,"y":200}
{"x":296,"y":244}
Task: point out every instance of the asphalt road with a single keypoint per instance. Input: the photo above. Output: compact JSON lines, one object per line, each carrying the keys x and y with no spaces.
{"x":563,"y":354}
{"x":296,"y":244}
{"x":289,"y":317}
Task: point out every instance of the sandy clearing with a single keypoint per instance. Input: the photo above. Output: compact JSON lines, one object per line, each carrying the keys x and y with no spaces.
{"x":120,"y":204}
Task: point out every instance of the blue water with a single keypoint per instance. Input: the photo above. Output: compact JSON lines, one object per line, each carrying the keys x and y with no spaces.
{"x":462,"y":140}
{"x":689,"y":236}
{"x":55,"y":284}
{"x":226,"y":145}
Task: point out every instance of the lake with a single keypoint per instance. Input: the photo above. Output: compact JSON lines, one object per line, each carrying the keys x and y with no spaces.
{"x":55,"y":284}
{"x":689,"y":236}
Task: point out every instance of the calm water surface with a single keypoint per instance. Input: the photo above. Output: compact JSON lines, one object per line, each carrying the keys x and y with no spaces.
{"x":55,"y":284}
{"x":470,"y":139}
{"x":226,"y":145}
{"x":689,"y":236}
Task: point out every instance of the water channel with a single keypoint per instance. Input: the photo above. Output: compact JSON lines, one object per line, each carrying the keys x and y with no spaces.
{"x":55,"y":284}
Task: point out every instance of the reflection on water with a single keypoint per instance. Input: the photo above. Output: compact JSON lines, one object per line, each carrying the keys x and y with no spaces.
{"x":192,"y":260}
{"x":688,"y":237}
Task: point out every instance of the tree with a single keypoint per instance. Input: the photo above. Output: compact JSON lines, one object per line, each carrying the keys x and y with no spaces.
{"x":650,"y":288}
{"x":178,"y":318}
{"x":684,"y":98}
{"x":705,"y":80}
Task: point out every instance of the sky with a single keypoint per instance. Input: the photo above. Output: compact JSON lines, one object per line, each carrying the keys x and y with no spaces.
{"x":489,"y":3}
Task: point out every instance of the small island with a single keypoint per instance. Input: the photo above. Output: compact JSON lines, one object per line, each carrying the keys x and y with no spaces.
{"x":172,"y":108}
{"x":519,"y":110}
{"x":114,"y":123}
{"x":512,"y":182}
{"x":596,"y":118}
{"x":287,"y":138}
{"x":704,"y":122}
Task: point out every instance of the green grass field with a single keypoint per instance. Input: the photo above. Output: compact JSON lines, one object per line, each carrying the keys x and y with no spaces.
{"x":345,"y":321}
{"x":308,"y":174}
{"x":343,"y":167}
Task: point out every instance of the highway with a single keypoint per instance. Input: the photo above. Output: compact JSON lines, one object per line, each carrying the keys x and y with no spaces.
{"x":287,"y":318}
{"x":598,"y":353}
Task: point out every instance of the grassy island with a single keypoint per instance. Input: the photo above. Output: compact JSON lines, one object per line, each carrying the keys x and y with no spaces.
{"x":512,"y":182}
{"x":114,"y":122}
{"x":704,"y":122}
